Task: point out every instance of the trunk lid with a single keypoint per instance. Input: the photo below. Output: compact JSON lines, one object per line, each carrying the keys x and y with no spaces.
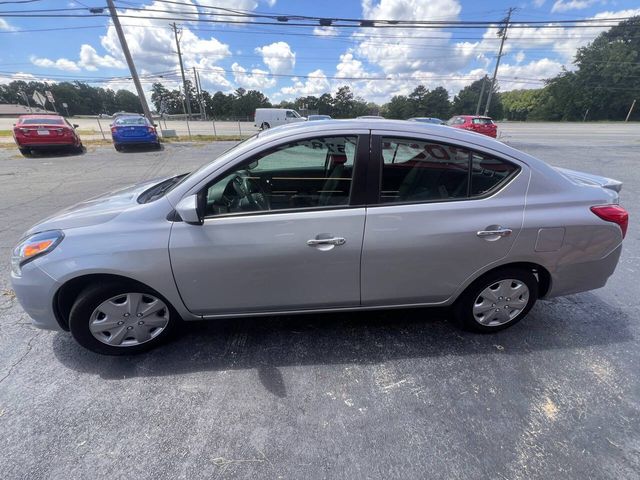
{"x":582,"y":178}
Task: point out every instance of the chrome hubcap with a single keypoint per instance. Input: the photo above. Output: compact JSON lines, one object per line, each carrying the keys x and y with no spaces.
{"x":129,"y":319}
{"x":500,"y":302}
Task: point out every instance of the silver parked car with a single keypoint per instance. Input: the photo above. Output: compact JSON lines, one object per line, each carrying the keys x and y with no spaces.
{"x":323,"y":216}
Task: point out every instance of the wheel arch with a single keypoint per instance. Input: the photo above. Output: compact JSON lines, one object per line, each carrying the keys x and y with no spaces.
{"x":67,"y":294}
{"x":540,"y":272}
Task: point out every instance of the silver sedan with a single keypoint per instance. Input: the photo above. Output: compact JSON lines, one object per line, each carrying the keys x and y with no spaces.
{"x":318,"y":217}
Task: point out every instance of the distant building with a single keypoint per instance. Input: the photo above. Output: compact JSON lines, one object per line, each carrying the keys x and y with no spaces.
{"x":9,"y":110}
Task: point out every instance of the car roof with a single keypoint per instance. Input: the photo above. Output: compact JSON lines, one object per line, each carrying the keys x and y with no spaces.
{"x":473,"y":116}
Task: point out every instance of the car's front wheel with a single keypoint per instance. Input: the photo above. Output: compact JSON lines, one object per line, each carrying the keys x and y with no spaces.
{"x":497,"y":300}
{"x":121,"y":319}
{"x":265,"y":126}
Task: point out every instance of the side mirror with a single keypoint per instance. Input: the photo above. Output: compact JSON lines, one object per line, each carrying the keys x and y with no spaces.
{"x":187,"y":208}
{"x":75,"y":125}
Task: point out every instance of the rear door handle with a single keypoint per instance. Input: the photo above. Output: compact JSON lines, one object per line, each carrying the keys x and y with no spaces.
{"x":498,"y":232}
{"x":326,"y":241}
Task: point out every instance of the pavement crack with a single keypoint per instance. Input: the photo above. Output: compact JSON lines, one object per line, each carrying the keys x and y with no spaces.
{"x":21,"y":359}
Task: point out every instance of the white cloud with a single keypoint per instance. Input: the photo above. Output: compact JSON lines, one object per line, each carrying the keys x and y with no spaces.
{"x":278,"y":57}
{"x":538,"y":3}
{"x":520,"y":56}
{"x":60,"y":64}
{"x":4,"y":25}
{"x":257,"y":79}
{"x":325,"y":31}
{"x":349,"y":67}
{"x":566,"y":5}
{"x":152,"y":42}
{"x":512,"y":77}
{"x":401,"y":53}
{"x":316,"y":84}
{"x":90,"y":60}
{"x":25,"y":77}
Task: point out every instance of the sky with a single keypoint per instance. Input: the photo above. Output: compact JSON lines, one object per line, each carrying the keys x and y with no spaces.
{"x":286,"y":62}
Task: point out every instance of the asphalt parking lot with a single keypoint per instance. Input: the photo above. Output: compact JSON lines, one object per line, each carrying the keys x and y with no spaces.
{"x":396,"y":394}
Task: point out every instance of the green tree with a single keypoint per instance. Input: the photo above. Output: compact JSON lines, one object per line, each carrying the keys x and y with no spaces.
{"x":324,"y":105}
{"x":396,"y":108}
{"x":343,"y":103}
{"x":245,"y":102}
{"x":437,"y":104}
{"x":128,"y":102}
{"x":220,"y":105}
{"x":466,"y":101}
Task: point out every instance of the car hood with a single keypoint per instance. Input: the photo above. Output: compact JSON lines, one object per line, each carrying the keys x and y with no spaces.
{"x":97,"y":210}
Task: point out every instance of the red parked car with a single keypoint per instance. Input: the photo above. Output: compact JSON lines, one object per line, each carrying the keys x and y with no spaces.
{"x":475,"y":123}
{"x":45,"y":132}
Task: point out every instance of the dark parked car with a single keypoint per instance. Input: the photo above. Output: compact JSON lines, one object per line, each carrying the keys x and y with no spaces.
{"x":433,"y":120}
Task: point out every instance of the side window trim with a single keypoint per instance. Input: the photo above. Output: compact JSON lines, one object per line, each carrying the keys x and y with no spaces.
{"x":376,"y":162}
{"x":357,"y":194}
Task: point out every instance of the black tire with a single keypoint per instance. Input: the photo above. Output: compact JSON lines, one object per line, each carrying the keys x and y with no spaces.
{"x":90,"y":298}
{"x":463,"y":308}
{"x":118,"y":147}
{"x":26,"y":152}
{"x":158,"y":146}
{"x":78,"y":149}
{"x":265,"y":126}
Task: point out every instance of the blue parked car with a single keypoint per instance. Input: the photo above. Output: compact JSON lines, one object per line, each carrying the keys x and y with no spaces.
{"x":133,"y":130}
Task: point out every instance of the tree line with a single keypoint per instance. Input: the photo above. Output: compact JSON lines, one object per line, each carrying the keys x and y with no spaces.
{"x":603,"y":86}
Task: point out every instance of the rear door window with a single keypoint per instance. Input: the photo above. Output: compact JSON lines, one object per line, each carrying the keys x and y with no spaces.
{"x":424,"y":171}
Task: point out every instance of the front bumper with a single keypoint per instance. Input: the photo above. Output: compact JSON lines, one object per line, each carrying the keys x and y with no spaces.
{"x":35,"y":291}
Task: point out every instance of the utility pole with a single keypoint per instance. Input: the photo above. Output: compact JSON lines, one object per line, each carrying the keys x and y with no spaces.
{"x":630,"y":110}
{"x":127,"y":56}
{"x":501,"y":33}
{"x":198,"y":94}
{"x":484,"y":82}
{"x":204,"y":107}
{"x":184,"y":79}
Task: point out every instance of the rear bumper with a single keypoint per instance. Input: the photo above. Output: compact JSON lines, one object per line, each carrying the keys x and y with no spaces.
{"x":581,"y":277}
{"x":135,"y":140}
{"x":58,"y":144}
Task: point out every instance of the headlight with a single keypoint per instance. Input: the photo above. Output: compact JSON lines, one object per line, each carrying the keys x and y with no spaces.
{"x":34,"y":246}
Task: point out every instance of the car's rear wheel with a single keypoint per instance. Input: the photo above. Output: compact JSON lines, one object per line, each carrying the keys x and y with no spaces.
{"x":265,"y":125}
{"x":497,"y":300}
{"x":121,"y":319}
{"x":118,"y":147}
{"x":25,"y":151}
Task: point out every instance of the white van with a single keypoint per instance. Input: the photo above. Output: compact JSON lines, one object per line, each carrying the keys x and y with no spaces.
{"x":272,"y":117}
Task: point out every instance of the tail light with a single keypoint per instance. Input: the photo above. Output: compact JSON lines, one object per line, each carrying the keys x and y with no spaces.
{"x":114,"y":129}
{"x":151,"y":129}
{"x":613,"y":213}
{"x":23,"y":131}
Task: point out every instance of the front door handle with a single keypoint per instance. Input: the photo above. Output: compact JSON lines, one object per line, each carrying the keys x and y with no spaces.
{"x":498,"y":232}
{"x":326,"y":241}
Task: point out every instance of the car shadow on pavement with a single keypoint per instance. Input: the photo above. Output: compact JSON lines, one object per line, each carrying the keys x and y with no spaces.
{"x":266,"y":343}
{"x":57,"y":153}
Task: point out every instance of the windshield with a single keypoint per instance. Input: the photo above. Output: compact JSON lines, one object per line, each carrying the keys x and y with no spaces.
{"x":226,"y":152}
{"x":160,"y":189}
{"x":130,"y":121}
{"x":41,"y":121}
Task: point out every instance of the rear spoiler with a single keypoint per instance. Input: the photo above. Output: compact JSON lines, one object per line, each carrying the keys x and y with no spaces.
{"x":590,"y":179}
